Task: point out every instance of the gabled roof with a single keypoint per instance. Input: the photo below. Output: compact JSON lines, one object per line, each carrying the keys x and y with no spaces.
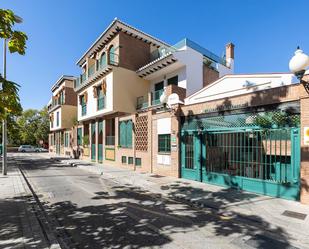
{"x":115,"y":27}
{"x":60,"y":80}
{"x":238,"y":84}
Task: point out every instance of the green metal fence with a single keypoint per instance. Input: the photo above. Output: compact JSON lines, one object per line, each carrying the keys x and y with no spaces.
{"x":244,"y":151}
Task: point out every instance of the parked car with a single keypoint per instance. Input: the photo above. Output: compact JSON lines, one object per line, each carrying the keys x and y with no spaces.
{"x":41,"y":150}
{"x":27,"y":148}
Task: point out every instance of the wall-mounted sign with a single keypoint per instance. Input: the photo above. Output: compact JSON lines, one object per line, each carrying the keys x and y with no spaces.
{"x":306,"y":136}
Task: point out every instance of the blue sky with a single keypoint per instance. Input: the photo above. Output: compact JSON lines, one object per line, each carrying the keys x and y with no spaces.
{"x":265,"y":33}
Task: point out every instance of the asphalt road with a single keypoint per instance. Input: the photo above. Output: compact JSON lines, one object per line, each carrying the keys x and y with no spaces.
{"x":95,"y":212}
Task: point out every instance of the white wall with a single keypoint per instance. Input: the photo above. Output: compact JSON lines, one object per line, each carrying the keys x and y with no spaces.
{"x":92,"y":102}
{"x":233,"y":85}
{"x":193,"y":69}
{"x":56,"y":127}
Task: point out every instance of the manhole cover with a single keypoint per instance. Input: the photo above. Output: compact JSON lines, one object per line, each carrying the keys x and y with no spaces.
{"x":295,"y":215}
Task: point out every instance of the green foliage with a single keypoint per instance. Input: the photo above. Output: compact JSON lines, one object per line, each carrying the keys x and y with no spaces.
{"x":86,"y":140}
{"x":16,"y":39}
{"x":9,"y":99}
{"x":33,"y":126}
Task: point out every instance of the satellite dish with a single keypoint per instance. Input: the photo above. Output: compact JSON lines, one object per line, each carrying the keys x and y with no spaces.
{"x":173,"y":99}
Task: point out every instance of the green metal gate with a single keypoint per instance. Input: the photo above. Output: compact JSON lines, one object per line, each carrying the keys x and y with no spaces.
{"x":100,"y":142}
{"x":247,"y":153}
{"x":93,"y":140}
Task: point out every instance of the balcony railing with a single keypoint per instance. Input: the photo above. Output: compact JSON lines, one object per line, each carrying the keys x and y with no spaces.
{"x":161,"y":52}
{"x":110,"y":140}
{"x":92,"y":70}
{"x":155,"y":99}
{"x":141,"y":102}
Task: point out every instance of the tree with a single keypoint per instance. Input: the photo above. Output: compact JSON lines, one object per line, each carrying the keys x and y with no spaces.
{"x":16,"y":39}
{"x":33,"y":126}
{"x":9,"y":100}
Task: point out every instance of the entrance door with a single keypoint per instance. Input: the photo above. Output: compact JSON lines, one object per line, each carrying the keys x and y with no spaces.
{"x":100,"y":142}
{"x":58,"y":142}
{"x":190,"y":156}
{"x":93,"y":140}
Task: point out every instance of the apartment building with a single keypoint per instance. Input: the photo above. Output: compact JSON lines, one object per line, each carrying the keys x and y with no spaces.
{"x":179,"y":110}
{"x":123,"y":75}
{"x":62,"y":109}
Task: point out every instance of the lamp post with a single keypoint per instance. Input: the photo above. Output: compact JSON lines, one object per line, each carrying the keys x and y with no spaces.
{"x":298,"y":65}
{"x":4,"y":121}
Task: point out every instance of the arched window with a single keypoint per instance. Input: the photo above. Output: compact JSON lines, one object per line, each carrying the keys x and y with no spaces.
{"x":112,"y":55}
{"x":103,"y":60}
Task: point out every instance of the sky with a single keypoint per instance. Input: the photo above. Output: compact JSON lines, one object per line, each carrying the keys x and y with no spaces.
{"x":265,"y":33}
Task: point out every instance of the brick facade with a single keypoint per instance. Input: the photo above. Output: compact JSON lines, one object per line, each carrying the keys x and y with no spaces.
{"x":209,"y":75}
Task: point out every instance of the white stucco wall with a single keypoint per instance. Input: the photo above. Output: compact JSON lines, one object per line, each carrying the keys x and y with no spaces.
{"x":92,"y":102}
{"x":56,"y":127}
{"x":193,"y":69}
{"x":233,"y":85}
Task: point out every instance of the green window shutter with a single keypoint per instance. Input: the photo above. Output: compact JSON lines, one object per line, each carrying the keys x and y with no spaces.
{"x":129,"y":133}
{"x":79,"y":136}
{"x":122,"y":135}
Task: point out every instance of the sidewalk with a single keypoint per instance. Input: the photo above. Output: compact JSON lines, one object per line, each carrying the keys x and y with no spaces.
{"x":229,"y":203}
{"x":19,"y":227}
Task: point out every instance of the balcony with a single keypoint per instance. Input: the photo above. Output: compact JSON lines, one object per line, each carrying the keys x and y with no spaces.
{"x":161,"y":52}
{"x":155,"y":97}
{"x":91,"y":70}
{"x":141,"y":102}
{"x":94,"y":72}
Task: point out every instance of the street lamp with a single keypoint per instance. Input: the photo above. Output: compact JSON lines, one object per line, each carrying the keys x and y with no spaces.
{"x":4,"y":121}
{"x":298,"y":65}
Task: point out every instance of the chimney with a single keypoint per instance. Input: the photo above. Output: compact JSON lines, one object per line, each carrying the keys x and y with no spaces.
{"x":229,"y":51}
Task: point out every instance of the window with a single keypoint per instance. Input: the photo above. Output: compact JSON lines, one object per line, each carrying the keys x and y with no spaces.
{"x":110,"y":131}
{"x":164,"y":143}
{"x":173,"y":81}
{"x":100,"y":98}
{"x":138,"y":161}
{"x":83,"y":104}
{"x":79,"y":136}
{"x":130,"y":160}
{"x":57,"y":118}
{"x":66,"y":139}
{"x":124,"y":159}
{"x":102,"y":62}
{"x":158,"y":87}
{"x":125,"y":134}
{"x":112,"y":55}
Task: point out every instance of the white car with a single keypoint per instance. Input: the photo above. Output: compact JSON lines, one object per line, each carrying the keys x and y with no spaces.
{"x":27,"y":148}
